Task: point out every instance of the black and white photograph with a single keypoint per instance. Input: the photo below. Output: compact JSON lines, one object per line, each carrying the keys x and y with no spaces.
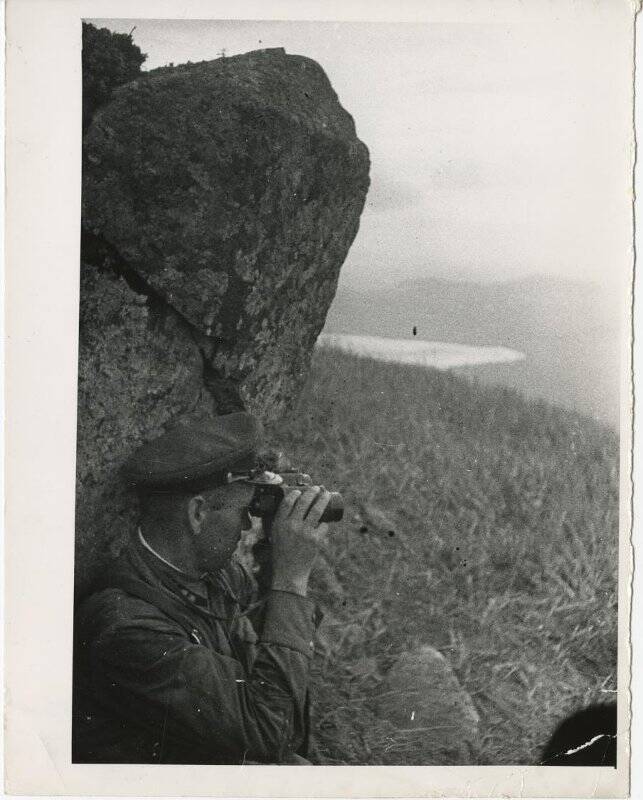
{"x":352,"y":413}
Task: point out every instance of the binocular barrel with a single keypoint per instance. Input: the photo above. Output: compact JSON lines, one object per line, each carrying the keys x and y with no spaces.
{"x":267,"y":498}
{"x":334,"y":511}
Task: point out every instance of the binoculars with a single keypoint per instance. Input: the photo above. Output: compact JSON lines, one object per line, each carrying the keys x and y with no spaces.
{"x":271,"y":487}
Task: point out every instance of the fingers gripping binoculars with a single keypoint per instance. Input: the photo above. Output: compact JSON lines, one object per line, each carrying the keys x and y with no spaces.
{"x":271,"y":487}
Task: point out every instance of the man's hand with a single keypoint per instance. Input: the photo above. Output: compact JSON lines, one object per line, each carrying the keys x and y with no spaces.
{"x":296,"y":535}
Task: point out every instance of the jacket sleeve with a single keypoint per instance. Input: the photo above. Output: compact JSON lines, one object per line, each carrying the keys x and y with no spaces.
{"x":147,"y":668}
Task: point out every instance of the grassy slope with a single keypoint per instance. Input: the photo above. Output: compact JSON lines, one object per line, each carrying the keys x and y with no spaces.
{"x":503,"y":553}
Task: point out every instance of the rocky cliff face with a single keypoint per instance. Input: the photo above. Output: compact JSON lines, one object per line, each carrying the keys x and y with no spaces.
{"x":219,"y":202}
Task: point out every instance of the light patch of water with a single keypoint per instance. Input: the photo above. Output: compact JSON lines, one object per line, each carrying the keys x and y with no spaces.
{"x":439,"y":355}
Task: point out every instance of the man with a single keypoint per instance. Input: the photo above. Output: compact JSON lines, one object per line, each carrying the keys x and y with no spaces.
{"x":167,"y":665}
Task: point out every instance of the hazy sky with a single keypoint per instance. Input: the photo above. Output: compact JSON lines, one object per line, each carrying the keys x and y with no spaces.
{"x":498,"y":150}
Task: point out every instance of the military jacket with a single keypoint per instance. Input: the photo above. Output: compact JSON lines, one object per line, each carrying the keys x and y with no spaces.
{"x":172,"y":672}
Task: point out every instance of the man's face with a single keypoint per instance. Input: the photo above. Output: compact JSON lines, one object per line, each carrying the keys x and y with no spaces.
{"x":225,"y":511}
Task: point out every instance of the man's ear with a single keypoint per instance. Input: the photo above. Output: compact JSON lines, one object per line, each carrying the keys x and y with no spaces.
{"x":197,"y":512}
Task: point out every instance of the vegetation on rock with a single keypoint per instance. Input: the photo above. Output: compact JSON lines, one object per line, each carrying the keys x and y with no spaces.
{"x":109,"y":60}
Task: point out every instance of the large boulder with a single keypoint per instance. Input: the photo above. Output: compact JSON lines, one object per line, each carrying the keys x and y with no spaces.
{"x":234,"y":189}
{"x":219,"y":202}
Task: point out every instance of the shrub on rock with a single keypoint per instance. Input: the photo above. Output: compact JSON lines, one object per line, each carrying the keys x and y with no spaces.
{"x":109,"y":60}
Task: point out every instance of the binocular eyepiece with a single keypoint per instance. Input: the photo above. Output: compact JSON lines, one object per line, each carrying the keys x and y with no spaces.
{"x":271,"y":487}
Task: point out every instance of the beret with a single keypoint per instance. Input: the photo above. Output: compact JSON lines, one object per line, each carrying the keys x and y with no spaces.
{"x":194,"y":452}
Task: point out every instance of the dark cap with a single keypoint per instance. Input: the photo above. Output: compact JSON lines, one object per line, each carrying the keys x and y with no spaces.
{"x":195,"y":454}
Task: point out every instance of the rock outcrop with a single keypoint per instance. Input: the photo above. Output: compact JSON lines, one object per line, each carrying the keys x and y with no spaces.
{"x":423,"y":698}
{"x":219,"y":202}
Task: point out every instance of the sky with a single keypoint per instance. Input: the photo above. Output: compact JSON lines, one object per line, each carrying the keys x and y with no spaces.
{"x":499,"y":149}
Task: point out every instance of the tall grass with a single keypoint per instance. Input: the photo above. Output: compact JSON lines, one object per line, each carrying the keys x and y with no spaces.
{"x":477,"y":522}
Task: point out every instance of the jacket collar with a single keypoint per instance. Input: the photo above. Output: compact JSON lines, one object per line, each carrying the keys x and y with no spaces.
{"x":193,"y":591}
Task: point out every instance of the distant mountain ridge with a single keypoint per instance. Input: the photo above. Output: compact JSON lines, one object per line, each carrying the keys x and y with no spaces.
{"x":570,"y":331}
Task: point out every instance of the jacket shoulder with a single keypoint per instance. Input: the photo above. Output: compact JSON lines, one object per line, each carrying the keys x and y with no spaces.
{"x":114,"y":608}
